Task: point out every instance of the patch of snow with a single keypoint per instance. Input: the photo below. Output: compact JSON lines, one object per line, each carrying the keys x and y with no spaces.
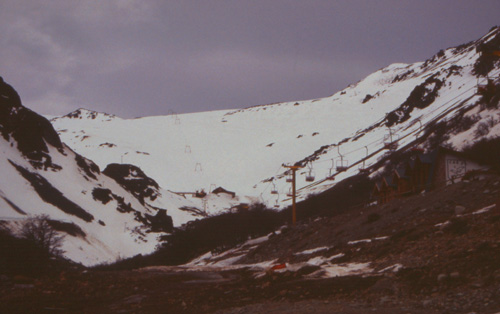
{"x":367,"y":240}
{"x":228,"y":261}
{"x":394,"y":268}
{"x":312,"y":251}
{"x":484,"y":210}
{"x":442,"y":224}
{"x":257,"y":240}
{"x":340,"y":270}
{"x":359,"y":241}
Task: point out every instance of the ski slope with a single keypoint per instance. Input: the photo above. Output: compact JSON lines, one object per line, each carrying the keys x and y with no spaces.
{"x":244,"y":150}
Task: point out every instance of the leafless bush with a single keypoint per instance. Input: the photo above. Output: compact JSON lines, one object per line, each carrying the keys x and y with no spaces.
{"x":483,"y":128}
{"x":38,"y":230}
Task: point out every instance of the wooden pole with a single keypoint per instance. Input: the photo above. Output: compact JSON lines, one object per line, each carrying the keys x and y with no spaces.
{"x":294,"y":204}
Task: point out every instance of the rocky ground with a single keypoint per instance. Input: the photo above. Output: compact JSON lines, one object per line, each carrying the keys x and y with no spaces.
{"x":443,"y":247}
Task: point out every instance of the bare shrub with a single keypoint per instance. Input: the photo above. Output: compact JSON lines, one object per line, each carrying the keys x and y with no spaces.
{"x":483,"y":128}
{"x":39,"y":231}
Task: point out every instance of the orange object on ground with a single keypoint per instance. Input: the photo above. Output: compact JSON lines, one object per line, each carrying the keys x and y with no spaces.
{"x":278,"y":266}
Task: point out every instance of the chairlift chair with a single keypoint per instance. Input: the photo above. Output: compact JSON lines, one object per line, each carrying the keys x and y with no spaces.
{"x":389,"y":142}
{"x":363,"y":168}
{"x":274,"y":190}
{"x":310,"y":175}
{"x":290,"y":193}
{"x":330,"y":175}
{"x":485,"y":86}
{"x":342,"y":165}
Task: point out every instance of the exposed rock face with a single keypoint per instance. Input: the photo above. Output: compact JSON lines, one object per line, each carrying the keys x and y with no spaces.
{"x":134,"y":180}
{"x":53,"y":196}
{"x":80,"y":201}
{"x":27,"y":128}
{"x":488,"y":60}
{"x":89,"y":114}
{"x":422,"y":96}
{"x":161,"y":221}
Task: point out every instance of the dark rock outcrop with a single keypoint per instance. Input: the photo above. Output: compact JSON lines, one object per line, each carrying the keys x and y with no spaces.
{"x":134,"y":180}
{"x":488,"y":59}
{"x":422,"y":96}
{"x":30,"y":130}
{"x":51,"y":195}
{"x":161,"y":221}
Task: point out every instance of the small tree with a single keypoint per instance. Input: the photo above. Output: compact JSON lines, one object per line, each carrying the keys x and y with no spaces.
{"x":38,"y":230}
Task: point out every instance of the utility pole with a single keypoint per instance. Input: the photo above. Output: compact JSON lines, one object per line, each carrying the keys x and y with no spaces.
{"x":294,"y":206}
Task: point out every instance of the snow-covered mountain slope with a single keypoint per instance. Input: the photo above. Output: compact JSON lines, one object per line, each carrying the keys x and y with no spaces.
{"x":243,"y":150}
{"x":102,"y":215}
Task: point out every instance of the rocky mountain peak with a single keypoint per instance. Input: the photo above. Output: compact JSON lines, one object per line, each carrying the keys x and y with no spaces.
{"x":30,"y":130}
{"x":83,"y":113}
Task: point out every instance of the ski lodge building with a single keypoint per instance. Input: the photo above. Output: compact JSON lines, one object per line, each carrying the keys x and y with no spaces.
{"x":424,"y":172}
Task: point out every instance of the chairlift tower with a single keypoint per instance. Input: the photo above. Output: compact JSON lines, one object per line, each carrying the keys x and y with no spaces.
{"x":294,"y":169}
{"x":197,"y":167}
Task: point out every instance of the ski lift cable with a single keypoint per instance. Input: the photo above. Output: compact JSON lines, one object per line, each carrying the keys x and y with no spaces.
{"x":272,"y":181}
{"x":417,"y":130}
{"x":447,"y":102}
{"x":421,"y":118}
{"x":381,"y":140}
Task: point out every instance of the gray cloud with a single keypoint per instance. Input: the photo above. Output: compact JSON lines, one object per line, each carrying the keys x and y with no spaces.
{"x":136,"y":58}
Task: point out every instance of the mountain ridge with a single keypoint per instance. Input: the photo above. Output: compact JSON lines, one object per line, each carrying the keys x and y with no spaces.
{"x":403,"y":101}
{"x":182,"y":158}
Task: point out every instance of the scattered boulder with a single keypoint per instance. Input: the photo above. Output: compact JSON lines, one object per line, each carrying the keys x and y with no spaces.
{"x":459,"y":210}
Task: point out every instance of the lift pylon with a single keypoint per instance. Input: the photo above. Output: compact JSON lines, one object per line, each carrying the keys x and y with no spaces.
{"x":294,"y":169}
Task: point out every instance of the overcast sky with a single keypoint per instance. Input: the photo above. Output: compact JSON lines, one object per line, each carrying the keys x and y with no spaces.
{"x":151,"y":57}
